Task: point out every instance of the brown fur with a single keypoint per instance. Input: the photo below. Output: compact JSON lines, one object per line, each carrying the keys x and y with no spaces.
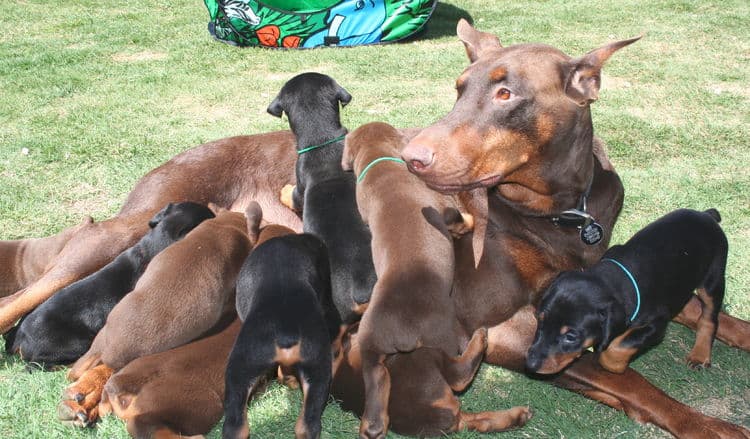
{"x":186,"y":291}
{"x":179,"y":391}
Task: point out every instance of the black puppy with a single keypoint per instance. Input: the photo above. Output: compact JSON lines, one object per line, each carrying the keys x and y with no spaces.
{"x":289,"y":320}
{"x":325,"y":193}
{"x":622,"y":304}
{"x":61,"y":329}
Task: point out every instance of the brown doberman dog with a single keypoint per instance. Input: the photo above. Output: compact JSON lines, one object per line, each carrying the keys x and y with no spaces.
{"x":412,"y":249}
{"x":187,"y":290}
{"x":523,"y":251}
{"x":532,"y":146}
{"x":175,"y":393}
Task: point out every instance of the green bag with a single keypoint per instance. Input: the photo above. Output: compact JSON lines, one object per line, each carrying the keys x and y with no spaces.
{"x":315,"y":23}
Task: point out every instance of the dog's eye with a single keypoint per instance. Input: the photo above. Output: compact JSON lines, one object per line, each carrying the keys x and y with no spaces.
{"x":503,"y":94}
{"x":569,"y":337}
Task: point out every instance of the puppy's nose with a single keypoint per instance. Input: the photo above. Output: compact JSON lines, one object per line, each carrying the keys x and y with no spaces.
{"x":533,"y":361}
{"x":418,"y":157}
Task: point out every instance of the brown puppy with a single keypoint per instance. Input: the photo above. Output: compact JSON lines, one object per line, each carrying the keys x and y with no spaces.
{"x":174,"y":393}
{"x":185,"y":292}
{"x":413,"y":255}
{"x":23,"y":261}
{"x":423,"y":386}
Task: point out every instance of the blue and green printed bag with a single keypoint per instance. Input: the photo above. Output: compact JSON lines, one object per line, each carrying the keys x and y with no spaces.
{"x":315,"y":23}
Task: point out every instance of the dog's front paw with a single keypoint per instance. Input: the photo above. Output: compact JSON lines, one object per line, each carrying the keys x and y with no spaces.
{"x":286,"y":196}
{"x":80,"y":404}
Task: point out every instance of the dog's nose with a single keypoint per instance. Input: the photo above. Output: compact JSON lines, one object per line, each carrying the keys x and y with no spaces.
{"x":533,"y":361}
{"x":418,"y":157}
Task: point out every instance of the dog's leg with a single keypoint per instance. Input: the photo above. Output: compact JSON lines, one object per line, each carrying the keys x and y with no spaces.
{"x":624,"y":347}
{"x":80,"y":405}
{"x":711,"y":299}
{"x":316,"y":382}
{"x":486,"y":422}
{"x":731,"y":330}
{"x":242,"y":375}
{"x":459,"y":371}
{"x":89,"y":249}
{"x":377,"y":390}
{"x":643,"y":402}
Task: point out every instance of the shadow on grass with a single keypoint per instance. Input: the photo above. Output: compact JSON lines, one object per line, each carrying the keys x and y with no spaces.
{"x":442,"y":23}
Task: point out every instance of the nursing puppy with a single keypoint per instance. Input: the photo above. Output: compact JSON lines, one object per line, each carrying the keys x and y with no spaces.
{"x":412,"y":249}
{"x":62,"y":328}
{"x":622,"y":304}
{"x":324,"y":192}
{"x":185,"y":292}
{"x":284,"y":300}
{"x":172,"y":393}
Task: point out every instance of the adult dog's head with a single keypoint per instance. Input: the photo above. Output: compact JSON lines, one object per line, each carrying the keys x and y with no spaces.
{"x":521,"y":122}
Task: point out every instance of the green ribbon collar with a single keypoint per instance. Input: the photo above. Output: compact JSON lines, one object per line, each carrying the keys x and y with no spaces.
{"x":376,"y":161}
{"x":328,"y":142}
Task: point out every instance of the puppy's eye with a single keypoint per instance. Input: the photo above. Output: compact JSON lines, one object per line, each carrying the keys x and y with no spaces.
{"x":569,"y":337}
{"x":503,"y":94}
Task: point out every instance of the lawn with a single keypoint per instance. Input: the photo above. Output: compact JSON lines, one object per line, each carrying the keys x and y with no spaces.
{"x":95,"y":94}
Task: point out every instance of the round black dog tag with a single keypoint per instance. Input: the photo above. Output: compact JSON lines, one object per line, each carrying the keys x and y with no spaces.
{"x":592,"y":233}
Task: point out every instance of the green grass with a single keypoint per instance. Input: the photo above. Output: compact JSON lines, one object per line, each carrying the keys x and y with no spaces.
{"x":102,"y":92}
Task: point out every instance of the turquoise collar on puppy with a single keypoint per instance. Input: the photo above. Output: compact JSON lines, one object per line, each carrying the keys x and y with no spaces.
{"x":376,"y":161}
{"x":635,"y":285}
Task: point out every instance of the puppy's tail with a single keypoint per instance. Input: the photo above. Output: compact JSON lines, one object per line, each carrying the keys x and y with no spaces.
{"x":713,"y":213}
{"x":254,"y":216}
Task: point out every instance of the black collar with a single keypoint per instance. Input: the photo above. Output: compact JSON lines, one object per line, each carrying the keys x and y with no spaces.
{"x":591,"y":232}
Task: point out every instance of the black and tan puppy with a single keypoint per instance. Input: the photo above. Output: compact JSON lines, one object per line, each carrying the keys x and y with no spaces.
{"x":284,"y":300}
{"x":324,"y":192}
{"x":62,"y":328}
{"x":411,"y":224}
{"x":622,"y":304}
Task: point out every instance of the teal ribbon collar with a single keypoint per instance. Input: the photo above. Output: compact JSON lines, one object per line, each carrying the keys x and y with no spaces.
{"x":376,"y":161}
{"x":635,"y":285}
{"x":328,"y":142}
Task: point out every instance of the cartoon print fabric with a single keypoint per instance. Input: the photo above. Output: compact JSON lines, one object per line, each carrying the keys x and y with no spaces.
{"x":315,"y":23}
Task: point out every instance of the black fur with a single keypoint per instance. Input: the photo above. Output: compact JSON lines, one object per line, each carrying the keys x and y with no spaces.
{"x":669,"y":259}
{"x":325,"y":193}
{"x":284,"y":299}
{"x":61,"y":329}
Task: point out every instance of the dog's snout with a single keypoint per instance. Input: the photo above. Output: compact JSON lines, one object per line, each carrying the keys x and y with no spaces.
{"x":418,"y":157}
{"x":533,"y":361}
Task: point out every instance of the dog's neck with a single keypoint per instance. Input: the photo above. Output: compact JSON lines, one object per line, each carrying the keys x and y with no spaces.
{"x":325,"y":160}
{"x":562,"y":185}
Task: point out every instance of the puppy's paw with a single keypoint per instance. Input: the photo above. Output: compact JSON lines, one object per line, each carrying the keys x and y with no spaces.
{"x":286,"y":196}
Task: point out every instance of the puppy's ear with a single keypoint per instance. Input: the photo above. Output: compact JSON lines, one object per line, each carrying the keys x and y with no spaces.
{"x":613,"y":321}
{"x":275,"y":109}
{"x":347,"y":157}
{"x":343,"y":96}
{"x":160,"y":215}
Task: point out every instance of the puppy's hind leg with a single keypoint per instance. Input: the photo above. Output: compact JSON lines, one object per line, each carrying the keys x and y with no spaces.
{"x":245,"y":367}
{"x":711,"y":296}
{"x":316,"y":382}
{"x":377,"y":379}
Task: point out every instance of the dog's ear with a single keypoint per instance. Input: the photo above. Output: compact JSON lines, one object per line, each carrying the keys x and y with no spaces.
{"x":160,"y":215}
{"x":613,"y":321}
{"x":347,"y":157}
{"x":584,"y":77}
{"x":475,"y":42}
{"x":275,"y":108}
{"x":254,"y":215}
{"x":343,"y":96}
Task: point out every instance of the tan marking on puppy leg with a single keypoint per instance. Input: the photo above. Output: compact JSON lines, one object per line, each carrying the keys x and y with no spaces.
{"x":486,"y":422}
{"x":700,"y":355}
{"x":616,"y":357}
{"x":286,"y":196}
{"x":285,"y":377}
